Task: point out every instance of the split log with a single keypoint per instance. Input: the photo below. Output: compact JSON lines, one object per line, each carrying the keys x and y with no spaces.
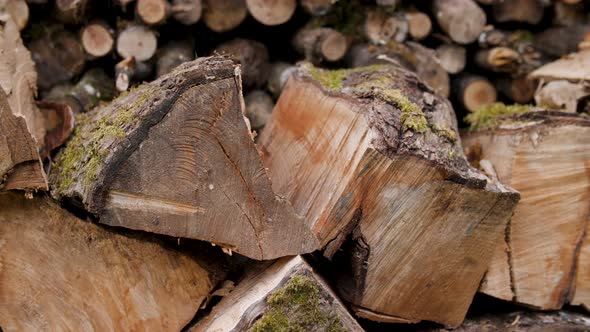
{"x":279,"y":74}
{"x":224,"y":15}
{"x":462,"y":20}
{"x":288,"y":295}
{"x":252,"y":55}
{"x":474,"y":92}
{"x":320,"y":44}
{"x":152,"y":12}
{"x":187,"y":12}
{"x":172,"y":55}
{"x":411,"y":55}
{"x":524,"y":11}
{"x":520,"y":89}
{"x":97,"y":39}
{"x":452,"y":57}
{"x":557,"y":41}
{"x":381,"y":27}
{"x":18,"y":10}
{"x":317,"y":7}
{"x":581,"y":289}
{"x":259,"y":107}
{"x":271,"y":12}
{"x":58,"y":55}
{"x":22,"y":129}
{"x":72,"y":11}
{"x":386,"y":181}
{"x":196,"y":175}
{"x":63,"y":273}
{"x":137,"y":41}
{"x":419,"y":25}
{"x":545,"y":156}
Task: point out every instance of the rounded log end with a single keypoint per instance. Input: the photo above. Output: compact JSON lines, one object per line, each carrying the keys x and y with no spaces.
{"x":271,"y":12}
{"x":152,"y":11}
{"x":138,"y":42}
{"x":334,"y":47}
{"x":479,"y":93}
{"x":97,"y":40}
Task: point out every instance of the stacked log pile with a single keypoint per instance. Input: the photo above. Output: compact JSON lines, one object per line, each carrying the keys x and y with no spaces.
{"x":311,"y":165}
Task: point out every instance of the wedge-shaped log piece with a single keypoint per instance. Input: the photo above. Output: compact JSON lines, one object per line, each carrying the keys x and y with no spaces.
{"x":176,"y":157}
{"x":375,"y":151}
{"x":285,"y":296}
{"x":61,"y":273}
{"x":22,"y":128}
{"x":546,"y":156}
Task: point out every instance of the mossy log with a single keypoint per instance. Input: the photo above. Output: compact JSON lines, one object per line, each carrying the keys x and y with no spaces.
{"x":60,"y":272}
{"x":287,"y":295}
{"x":371,"y":157}
{"x":176,"y":157}
{"x":546,"y":156}
{"x":22,"y":128}
{"x":413,"y":56}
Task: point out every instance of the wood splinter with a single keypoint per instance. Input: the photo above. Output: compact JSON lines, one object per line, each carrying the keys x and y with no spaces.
{"x":196,"y":175}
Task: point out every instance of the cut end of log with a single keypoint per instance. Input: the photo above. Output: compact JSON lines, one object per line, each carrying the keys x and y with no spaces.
{"x":97,"y":40}
{"x":137,"y":41}
{"x":271,"y":12}
{"x":420,"y":25}
{"x":187,"y":12}
{"x":224,"y":15}
{"x":19,"y":11}
{"x":334,"y":46}
{"x":477,"y":93}
{"x":152,"y":12}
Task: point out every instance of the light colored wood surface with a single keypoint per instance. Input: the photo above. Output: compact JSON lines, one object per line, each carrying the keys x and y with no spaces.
{"x":547,"y":162}
{"x":62,"y":273}
{"x":574,"y":67}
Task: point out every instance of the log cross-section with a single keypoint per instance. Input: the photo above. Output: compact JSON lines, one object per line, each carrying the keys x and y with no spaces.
{"x":176,"y":157}
{"x":371,"y":157}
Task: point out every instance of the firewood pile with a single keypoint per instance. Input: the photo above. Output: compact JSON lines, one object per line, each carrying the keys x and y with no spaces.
{"x":283,"y":165}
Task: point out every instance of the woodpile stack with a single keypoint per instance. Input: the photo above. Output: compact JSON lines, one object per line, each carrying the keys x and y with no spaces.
{"x":283,"y":165}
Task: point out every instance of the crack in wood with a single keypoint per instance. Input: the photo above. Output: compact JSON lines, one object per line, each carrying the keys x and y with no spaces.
{"x":140,"y":202}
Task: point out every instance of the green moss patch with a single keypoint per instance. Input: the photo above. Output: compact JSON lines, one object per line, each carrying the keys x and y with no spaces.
{"x":490,"y":116}
{"x":86,"y":150}
{"x":297,"y":306}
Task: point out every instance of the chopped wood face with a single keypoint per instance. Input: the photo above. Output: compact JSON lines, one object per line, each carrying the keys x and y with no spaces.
{"x":176,"y":157}
{"x":423,"y":225}
{"x":59,"y":272}
{"x":254,"y":300}
{"x":198,"y":174}
{"x":542,"y":261}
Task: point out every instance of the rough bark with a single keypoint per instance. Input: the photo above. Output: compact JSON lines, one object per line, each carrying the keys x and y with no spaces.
{"x":320,"y":44}
{"x":176,"y":157}
{"x":461,"y":20}
{"x":63,"y":273}
{"x":413,"y":56}
{"x":271,"y":12}
{"x":224,"y":15}
{"x":371,"y":157}
{"x":545,"y":156}
{"x":287,"y":295}
{"x":252,"y":55}
{"x":58,"y":55}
